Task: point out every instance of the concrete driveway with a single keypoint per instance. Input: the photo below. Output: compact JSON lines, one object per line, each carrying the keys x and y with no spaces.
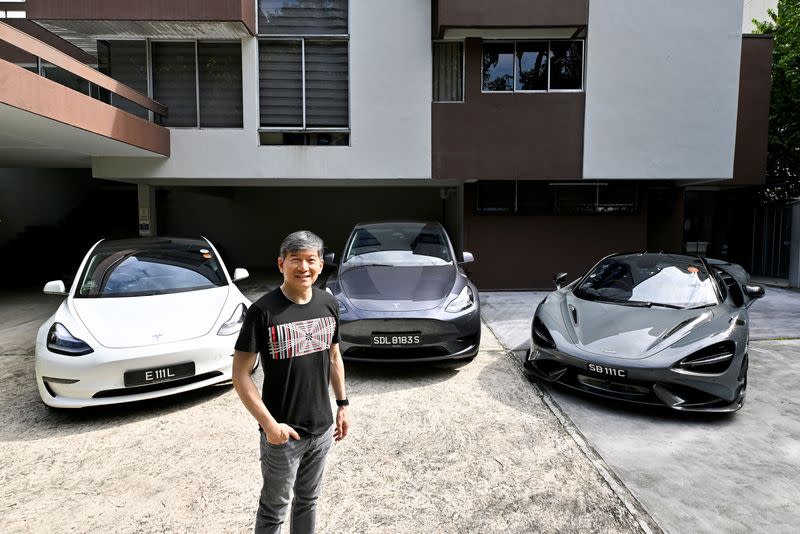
{"x":435,"y":450}
{"x":738,"y":473}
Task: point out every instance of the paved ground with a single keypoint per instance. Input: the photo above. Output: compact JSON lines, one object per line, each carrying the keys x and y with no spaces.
{"x":431,"y":450}
{"x":737,"y":473}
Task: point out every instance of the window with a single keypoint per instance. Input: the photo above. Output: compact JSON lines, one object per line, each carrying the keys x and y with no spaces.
{"x":531,"y":197}
{"x":532,"y":66}
{"x":303,"y":72}
{"x":200,"y":82}
{"x":448,"y":71}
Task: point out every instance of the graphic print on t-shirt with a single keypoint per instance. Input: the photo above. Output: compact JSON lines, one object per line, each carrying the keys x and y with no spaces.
{"x":302,"y":337}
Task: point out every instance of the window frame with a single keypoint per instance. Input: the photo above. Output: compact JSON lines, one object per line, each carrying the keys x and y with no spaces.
{"x":463,"y":71}
{"x":549,"y":58}
{"x":150,"y":87}
{"x":598,"y":205}
{"x":260,"y":38}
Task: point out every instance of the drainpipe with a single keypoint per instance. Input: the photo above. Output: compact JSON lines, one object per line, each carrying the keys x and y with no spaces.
{"x":147,"y":210}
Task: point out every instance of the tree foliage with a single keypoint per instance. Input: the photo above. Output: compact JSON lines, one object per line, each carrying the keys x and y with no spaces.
{"x":783,"y":160}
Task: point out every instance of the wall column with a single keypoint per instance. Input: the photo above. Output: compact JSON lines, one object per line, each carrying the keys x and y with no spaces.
{"x":147,"y":210}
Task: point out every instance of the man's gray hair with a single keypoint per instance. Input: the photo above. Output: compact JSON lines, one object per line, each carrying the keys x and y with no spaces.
{"x":301,"y":240}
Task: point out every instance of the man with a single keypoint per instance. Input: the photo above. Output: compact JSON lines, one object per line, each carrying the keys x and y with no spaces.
{"x":296,"y":330}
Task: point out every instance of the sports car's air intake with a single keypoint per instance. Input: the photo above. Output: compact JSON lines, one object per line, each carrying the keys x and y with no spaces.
{"x":713,"y":359}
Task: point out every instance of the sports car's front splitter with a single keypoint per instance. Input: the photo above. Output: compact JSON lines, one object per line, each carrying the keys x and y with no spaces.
{"x":674,"y":396}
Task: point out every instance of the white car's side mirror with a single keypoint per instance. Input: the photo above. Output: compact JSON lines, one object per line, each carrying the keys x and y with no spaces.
{"x":240,"y":274}
{"x":55,"y":287}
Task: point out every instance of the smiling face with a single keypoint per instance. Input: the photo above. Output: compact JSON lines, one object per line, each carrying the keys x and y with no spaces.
{"x":300,"y":269}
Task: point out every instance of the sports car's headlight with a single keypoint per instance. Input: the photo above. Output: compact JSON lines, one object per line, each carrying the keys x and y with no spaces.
{"x":60,"y":341}
{"x":464,"y":300}
{"x":541,"y":335}
{"x":234,"y":324}
{"x":713,"y":359}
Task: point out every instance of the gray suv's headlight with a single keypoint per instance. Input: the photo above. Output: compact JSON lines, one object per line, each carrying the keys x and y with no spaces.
{"x":464,"y":300}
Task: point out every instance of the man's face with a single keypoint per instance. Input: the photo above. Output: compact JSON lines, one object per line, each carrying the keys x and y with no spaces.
{"x":300,"y":268}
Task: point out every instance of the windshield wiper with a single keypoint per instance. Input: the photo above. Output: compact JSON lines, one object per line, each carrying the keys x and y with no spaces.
{"x":664,"y":305}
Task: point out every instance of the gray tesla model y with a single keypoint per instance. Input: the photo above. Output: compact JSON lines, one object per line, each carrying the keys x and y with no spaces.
{"x":660,"y":329}
{"x":404,"y":296}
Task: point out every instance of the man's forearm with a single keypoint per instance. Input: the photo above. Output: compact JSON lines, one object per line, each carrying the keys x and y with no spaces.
{"x":247,"y":390}
{"x":337,"y":373}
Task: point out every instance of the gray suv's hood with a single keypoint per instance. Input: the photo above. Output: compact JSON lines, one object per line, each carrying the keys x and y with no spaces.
{"x":397,"y":288}
{"x":626,"y":331}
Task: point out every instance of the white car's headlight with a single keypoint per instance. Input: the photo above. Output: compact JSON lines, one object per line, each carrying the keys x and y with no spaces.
{"x":234,"y":324}
{"x":60,"y":341}
{"x":464,"y":300}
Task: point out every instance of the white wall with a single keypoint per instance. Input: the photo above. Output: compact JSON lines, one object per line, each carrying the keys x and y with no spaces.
{"x":390,"y":110}
{"x":756,"y":9}
{"x":662,"y":86}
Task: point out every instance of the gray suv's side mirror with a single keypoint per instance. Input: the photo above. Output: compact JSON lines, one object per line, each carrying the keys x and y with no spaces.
{"x":559,"y":279}
{"x":329,"y":258}
{"x":467,"y":257}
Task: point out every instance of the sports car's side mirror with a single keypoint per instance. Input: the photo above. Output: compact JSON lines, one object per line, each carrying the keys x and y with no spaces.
{"x":467,"y":257}
{"x":55,"y":287}
{"x":240,"y":274}
{"x":754,"y":291}
{"x":329,"y":258}
{"x":559,"y":279}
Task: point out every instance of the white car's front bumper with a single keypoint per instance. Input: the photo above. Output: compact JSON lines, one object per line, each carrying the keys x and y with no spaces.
{"x":100,"y":374}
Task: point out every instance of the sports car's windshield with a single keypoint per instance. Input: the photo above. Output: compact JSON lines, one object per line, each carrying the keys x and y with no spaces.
{"x":650,"y":280}
{"x":398,"y":244}
{"x":172,"y":266}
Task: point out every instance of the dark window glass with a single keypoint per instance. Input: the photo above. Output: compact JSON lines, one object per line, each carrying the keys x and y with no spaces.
{"x":576,"y":199}
{"x":126,"y":62}
{"x":448,"y":61}
{"x":65,"y":78}
{"x":498,"y":67}
{"x":305,"y":138}
{"x":495,"y":196}
{"x":220,"y":73}
{"x":281,"y":83}
{"x":326,"y":84}
{"x":175,"y":82}
{"x":532,"y":66}
{"x":302,"y":17}
{"x":535,"y":198}
{"x":617,"y":198}
{"x":566,"y":65}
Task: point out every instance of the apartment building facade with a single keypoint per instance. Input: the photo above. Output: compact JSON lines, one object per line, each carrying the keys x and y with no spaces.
{"x":543,"y":134}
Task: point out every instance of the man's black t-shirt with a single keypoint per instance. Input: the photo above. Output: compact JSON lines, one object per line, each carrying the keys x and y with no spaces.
{"x":294,"y":341}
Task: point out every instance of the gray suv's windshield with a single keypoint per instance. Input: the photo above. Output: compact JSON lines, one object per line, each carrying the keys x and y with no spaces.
{"x":398,"y":244}
{"x":650,"y":280}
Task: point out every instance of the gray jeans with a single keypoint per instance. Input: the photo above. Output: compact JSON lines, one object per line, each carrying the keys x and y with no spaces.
{"x":296,"y":464}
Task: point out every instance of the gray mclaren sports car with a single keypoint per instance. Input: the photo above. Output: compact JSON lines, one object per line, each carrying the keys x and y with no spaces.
{"x":403,"y":295}
{"x":659,"y":329}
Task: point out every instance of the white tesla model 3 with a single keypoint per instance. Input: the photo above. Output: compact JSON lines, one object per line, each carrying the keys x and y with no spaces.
{"x":144,"y":318}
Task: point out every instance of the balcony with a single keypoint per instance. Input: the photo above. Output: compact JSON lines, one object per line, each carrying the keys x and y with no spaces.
{"x":83,"y":22}
{"x":60,"y":119}
{"x":476,"y":18}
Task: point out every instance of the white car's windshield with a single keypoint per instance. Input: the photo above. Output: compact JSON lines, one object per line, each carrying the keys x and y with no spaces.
{"x":650,"y":279}
{"x":170,"y":267}
{"x":398,"y":244}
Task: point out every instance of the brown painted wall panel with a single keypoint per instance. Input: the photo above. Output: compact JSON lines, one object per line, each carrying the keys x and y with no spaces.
{"x":152,"y":10}
{"x":507,"y":136}
{"x":32,"y":93}
{"x":510,"y":13}
{"x":752,"y":126}
{"x":519,"y":252}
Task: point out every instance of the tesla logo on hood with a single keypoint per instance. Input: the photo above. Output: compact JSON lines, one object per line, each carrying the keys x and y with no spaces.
{"x":157,"y":336}
{"x":396,"y":305}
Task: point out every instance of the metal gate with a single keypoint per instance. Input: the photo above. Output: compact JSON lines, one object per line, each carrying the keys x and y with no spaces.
{"x":772,"y":239}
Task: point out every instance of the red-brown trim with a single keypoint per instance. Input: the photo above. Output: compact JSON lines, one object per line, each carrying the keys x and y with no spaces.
{"x":56,"y":57}
{"x":752,"y":124}
{"x":510,"y":14}
{"x":33,"y":93}
{"x":151,"y":10}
